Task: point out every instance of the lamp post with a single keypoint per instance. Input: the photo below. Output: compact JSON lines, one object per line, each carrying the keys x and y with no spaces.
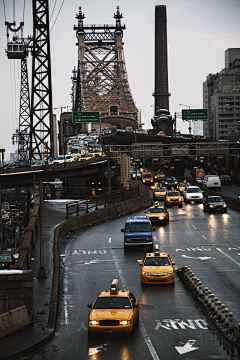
{"x":190,"y":123}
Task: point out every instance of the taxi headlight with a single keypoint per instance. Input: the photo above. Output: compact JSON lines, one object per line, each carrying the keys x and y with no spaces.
{"x":93,"y":322}
{"x":161,"y":218}
{"x":147,"y":274}
{"x":125,"y":322}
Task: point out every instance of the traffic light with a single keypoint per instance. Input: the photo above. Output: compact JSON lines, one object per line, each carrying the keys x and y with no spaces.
{"x":45,"y":149}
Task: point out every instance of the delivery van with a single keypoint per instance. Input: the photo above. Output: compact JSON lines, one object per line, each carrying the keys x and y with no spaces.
{"x":211,"y":182}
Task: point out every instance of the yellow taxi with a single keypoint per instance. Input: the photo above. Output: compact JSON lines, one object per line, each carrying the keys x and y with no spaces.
{"x":97,"y":153}
{"x":158,"y":214}
{"x":173,"y":197}
{"x":159,"y":193}
{"x":147,"y":177}
{"x":181,"y":186}
{"x":157,"y":268}
{"x":159,"y":176}
{"x":114,"y":311}
{"x":86,"y":157}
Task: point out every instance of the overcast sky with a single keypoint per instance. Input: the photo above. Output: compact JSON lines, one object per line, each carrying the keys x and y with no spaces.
{"x":198,"y":33}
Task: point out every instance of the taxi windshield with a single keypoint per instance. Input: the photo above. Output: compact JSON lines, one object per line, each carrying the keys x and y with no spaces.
{"x":173,"y":193}
{"x":147,"y":176}
{"x":156,"y":261}
{"x":155,"y":210}
{"x":112,"y":302}
{"x":135,"y":227}
{"x":161,"y":190}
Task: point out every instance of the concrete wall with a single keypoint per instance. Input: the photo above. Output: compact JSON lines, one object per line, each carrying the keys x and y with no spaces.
{"x":16,"y":289}
{"x":13,"y":320}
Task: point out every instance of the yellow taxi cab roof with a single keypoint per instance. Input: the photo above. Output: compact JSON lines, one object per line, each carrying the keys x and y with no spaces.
{"x":120,"y":293}
{"x":160,"y":254}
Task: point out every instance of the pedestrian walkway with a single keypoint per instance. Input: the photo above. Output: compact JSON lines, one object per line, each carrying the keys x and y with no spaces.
{"x":28,"y":339}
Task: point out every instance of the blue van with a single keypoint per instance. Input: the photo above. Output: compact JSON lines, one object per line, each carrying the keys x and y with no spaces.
{"x":138,"y":232}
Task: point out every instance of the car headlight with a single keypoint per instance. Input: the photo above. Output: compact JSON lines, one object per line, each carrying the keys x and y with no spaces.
{"x":93,"y":322}
{"x":147,"y":274}
{"x":161,"y":218}
{"x":125,"y":322}
{"x":224,"y":205}
{"x":211,"y":206}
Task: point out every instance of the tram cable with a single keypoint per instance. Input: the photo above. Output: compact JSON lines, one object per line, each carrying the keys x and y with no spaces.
{"x":57,"y":15}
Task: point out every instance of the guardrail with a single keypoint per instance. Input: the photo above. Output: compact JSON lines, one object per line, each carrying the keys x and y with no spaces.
{"x":104,"y":200}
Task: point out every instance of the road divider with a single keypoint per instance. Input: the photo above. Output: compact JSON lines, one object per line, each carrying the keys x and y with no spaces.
{"x":218,"y":314}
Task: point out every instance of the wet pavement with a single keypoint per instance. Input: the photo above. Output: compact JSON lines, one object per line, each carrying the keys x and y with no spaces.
{"x":28,"y":339}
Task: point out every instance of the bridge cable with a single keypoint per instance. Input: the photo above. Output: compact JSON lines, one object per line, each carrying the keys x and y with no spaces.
{"x":57,"y":15}
{"x":53,"y":10}
{"x":4,"y":10}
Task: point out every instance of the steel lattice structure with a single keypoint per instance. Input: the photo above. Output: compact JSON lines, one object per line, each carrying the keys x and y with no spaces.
{"x":24,"y":118}
{"x":102,"y":83}
{"x":41,"y":134}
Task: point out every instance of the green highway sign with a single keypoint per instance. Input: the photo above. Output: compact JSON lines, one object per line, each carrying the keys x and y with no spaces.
{"x":195,"y":114}
{"x":86,"y":117}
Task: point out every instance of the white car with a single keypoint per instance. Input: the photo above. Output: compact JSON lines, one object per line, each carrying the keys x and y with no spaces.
{"x":193,"y":193}
{"x":61,"y":158}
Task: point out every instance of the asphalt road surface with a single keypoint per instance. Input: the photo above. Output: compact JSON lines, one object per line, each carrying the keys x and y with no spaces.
{"x":172,"y":325}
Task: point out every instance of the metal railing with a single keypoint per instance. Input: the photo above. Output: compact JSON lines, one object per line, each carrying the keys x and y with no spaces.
{"x":100,"y":201}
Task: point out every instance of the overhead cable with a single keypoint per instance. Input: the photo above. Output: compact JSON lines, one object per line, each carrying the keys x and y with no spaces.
{"x":57,"y":15}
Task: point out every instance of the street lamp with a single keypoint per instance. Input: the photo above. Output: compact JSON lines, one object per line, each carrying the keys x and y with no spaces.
{"x":190,"y":124}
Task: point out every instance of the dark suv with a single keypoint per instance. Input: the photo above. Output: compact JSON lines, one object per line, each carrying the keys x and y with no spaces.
{"x":225,"y":179}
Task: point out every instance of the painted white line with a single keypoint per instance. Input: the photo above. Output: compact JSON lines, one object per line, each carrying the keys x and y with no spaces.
{"x":120,"y":273}
{"x":194,"y":227}
{"x":65,"y":296}
{"x":204,"y":237}
{"x":229,"y":257}
{"x":149,"y":343}
{"x":109,"y":240}
{"x":142,"y":327}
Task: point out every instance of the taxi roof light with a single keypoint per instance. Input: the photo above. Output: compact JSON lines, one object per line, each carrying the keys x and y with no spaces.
{"x":114,"y":287}
{"x":156,"y":250}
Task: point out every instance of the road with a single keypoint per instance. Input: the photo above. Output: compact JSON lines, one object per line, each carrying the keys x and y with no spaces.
{"x":172,"y":325}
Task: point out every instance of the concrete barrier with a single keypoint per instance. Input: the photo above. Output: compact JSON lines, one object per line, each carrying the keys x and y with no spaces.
{"x":13,"y":320}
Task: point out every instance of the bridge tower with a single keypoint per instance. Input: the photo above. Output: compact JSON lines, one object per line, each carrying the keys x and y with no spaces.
{"x":102,"y":83}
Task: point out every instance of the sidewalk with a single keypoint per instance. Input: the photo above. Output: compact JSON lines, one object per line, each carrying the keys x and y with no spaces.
{"x":28,"y":339}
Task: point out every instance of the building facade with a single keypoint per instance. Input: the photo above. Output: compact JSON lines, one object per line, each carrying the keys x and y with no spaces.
{"x":221,"y":96}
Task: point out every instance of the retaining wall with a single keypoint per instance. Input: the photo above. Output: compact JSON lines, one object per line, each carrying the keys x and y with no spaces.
{"x":13,"y":320}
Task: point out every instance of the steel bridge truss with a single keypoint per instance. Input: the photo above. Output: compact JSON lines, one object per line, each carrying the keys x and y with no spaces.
{"x":153,"y":150}
{"x":41,"y":135}
{"x":102,"y":77}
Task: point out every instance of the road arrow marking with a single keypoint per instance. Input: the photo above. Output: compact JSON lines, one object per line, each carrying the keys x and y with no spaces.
{"x":95,"y":350}
{"x":186,"y":347}
{"x":200,"y":257}
{"x":92,"y":262}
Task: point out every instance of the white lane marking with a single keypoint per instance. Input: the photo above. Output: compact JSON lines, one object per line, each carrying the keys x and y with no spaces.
{"x":142,"y":327}
{"x":119,"y":270}
{"x":109,"y":240}
{"x":149,"y":343}
{"x":229,"y":257}
{"x":194,"y":227}
{"x":204,"y":237}
{"x":65,"y":293}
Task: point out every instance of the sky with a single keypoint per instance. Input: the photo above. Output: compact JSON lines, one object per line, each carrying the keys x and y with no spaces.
{"x":198,"y":33}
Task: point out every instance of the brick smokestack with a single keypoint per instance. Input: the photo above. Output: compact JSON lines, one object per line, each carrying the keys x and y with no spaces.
{"x":161,"y":59}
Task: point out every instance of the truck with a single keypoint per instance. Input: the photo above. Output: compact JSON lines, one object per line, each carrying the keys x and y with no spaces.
{"x":178,"y":167}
